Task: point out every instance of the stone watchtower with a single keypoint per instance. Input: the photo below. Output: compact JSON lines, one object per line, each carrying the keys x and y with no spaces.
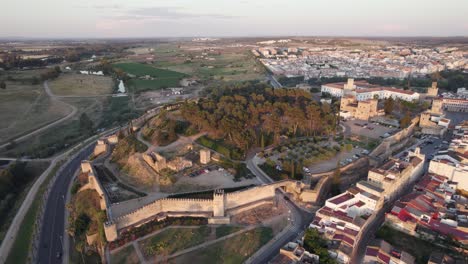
{"x":110,"y":229}
{"x":349,"y":85}
{"x":437,"y":106}
{"x":219,"y":200}
{"x":205,"y":156}
{"x":433,"y":90}
{"x":218,"y":203}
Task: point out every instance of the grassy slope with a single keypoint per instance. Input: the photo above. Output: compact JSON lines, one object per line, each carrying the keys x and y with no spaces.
{"x":233,"y":250}
{"x":172,"y":240}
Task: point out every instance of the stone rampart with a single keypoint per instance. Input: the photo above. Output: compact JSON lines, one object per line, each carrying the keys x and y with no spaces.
{"x":388,"y":145}
{"x":239,"y":198}
{"x":94,"y":184}
{"x":164,"y":205}
{"x":215,"y":209}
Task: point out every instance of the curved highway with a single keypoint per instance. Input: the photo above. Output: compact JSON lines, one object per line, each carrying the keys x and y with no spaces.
{"x":52,"y":232}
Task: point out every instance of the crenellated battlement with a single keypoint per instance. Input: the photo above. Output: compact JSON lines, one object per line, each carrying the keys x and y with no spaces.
{"x":216,"y":207}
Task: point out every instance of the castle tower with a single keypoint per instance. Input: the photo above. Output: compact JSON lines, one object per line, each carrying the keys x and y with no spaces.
{"x":437,"y":106}
{"x":433,"y":90}
{"x":218,"y":203}
{"x":110,"y":230}
{"x":349,"y":85}
{"x":205,"y":156}
{"x":425,"y":120}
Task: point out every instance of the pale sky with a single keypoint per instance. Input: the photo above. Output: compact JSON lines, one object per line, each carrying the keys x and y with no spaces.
{"x":188,"y":18}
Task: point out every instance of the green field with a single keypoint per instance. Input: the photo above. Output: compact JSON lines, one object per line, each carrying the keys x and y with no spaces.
{"x":105,"y":112}
{"x":139,"y":69}
{"x":25,"y":108}
{"x":160,"y":78}
{"x":172,"y":240}
{"x":138,"y":85}
{"x":81,"y":85}
{"x":232,"y":250}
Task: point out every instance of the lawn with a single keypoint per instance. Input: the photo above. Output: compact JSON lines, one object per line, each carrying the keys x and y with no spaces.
{"x":81,"y":85}
{"x":139,"y":69}
{"x":233,"y":250}
{"x":125,"y":255}
{"x":172,"y":240}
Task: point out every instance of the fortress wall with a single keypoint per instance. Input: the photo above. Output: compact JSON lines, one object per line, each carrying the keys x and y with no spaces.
{"x":99,"y":149}
{"x":187,"y":205}
{"x":93,"y":183}
{"x":388,"y":145}
{"x":138,"y":215}
{"x":248,"y":207}
{"x":239,"y":198}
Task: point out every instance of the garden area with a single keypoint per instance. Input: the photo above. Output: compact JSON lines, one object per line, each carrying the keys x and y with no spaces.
{"x":288,"y":160}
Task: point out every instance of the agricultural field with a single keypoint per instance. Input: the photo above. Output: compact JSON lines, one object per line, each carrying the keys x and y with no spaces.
{"x":158,"y":78}
{"x":104,"y":112}
{"x":81,"y":85}
{"x":211,"y":62}
{"x":139,"y":70}
{"x":26,"y":107}
{"x":219,"y":63}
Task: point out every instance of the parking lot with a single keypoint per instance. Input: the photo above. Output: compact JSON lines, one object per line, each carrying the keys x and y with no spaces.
{"x":367,"y":129}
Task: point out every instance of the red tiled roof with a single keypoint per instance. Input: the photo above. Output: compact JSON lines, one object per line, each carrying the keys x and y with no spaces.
{"x":372,"y":251}
{"x":342,"y":198}
{"x":383,"y":257}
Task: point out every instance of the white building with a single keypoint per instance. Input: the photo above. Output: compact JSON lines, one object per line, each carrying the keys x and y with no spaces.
{"x":365,"y":91}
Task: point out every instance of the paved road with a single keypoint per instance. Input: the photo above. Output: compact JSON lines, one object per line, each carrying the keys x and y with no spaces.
{"x":52,"y":233}
{"x":299,"y":220}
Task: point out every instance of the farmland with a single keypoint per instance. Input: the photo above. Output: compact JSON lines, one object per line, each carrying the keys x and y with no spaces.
{"x":155,"y":78}
{"x":81,"y":85}
{"x":25,"y":108}
{"x":139,"y":69}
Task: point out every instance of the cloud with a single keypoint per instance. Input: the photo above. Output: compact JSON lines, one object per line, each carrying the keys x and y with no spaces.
{"x":164,"y":13}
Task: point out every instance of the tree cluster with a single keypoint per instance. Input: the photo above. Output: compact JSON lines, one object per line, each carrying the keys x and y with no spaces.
{"x":315,"y":244}
{"x":240,"y":114}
